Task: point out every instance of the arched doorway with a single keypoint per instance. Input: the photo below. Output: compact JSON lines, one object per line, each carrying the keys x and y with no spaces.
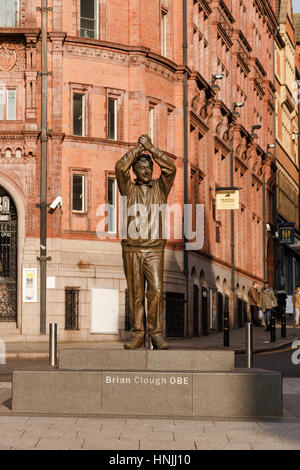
{"x":8,"y":257}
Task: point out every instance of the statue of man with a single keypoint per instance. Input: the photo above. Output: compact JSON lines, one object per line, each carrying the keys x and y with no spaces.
{"x":143,"y":251}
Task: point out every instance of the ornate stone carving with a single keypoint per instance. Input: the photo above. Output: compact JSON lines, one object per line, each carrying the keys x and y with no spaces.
{"x":12,"y":56}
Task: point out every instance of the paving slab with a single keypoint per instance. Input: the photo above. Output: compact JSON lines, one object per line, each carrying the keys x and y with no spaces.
{"x":112,"y":444}
{"x":153,"y":444}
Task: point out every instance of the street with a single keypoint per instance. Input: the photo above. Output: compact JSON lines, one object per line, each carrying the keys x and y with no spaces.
{"x":273,"y":360}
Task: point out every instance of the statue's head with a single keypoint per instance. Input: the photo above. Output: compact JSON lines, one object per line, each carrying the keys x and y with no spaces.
{"x":143,"y":168}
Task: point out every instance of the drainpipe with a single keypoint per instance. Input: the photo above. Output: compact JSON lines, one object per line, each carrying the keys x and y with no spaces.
{"x":43,"y":187}
{"x":185,"y":145}
{"x":264,"y":227}
{"x":275,"y":163}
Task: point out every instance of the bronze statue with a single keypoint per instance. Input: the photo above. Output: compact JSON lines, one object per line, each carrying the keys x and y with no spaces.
{"x":143,"y":253}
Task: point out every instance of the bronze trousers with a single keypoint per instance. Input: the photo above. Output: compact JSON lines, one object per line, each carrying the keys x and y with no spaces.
{"x":145,"y":268}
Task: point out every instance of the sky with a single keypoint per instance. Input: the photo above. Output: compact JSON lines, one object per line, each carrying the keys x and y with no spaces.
{"x":296,"y":6}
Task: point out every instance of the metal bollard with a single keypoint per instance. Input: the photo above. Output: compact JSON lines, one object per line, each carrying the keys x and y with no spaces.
{"x":226,"y":329}
{"x":249,"y":344}
{"x":283,"y":323}
{"x":273,"y":327}
{"x":53,"y":344}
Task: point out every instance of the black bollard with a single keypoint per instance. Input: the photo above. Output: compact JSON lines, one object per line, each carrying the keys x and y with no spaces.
{"x":226,"y":329}
{"x":283,"y":323}
{"x":249,"y":344}
{"x":272,"y":327}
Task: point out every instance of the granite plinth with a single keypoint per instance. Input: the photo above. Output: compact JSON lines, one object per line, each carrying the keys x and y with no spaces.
{"x":244,"y":393}
{"x":92,"y":359}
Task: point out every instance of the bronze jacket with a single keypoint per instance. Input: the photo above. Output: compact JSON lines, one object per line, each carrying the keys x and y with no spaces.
{"x":296,"y":299}
{"x":268,"y":299}
{"x":254,"y":296}
{"x":144,"y":200}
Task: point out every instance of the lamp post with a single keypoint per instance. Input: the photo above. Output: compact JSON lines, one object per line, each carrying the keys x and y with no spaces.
{"x":226,"y":312}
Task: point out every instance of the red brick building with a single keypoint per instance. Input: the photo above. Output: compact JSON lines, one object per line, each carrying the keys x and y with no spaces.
{"x":118,"y":69}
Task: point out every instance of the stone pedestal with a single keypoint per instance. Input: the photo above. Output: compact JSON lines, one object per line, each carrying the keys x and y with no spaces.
{"x":191,"y":384}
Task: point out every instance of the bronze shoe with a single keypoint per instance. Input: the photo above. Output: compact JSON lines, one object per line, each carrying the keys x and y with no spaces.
{"x":158,"y":342}
{"x":136,"y":343}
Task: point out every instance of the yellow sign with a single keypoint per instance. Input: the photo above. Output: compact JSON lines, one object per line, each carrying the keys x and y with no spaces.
{"x":227,"y":199}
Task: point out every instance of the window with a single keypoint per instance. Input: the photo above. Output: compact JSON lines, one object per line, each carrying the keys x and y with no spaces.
{"x":88,"y":19}
{"x":151,"y":123}
{"x":79,"y":114}
{"x":112,"y":118}
{"x":9,"y":13}
{"x":112,"y":205}
{"x":163,"y":32}
{"x":78,"y":204}
{"x":1,"y":104}
{"x":11,"y":105}
{"x":71,"y":308}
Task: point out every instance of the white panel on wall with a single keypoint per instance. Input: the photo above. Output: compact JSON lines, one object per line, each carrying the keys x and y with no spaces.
{"x":104,"y":311}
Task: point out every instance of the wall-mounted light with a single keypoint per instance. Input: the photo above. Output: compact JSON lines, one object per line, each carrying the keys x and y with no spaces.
{"x":239,"y":104}
{"x":294,"y":135}
{"x":253,"y":128}
{"x":215,"y":77}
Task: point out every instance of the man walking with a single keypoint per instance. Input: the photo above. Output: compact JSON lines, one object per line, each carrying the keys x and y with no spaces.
{"x":268,"y":302}
{"x":254,"y":301}
{"x":143,"y":249}
{"x":296,"y":300}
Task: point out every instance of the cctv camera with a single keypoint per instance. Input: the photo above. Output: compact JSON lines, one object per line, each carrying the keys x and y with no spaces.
{"x":57,"y":202}
{"x":268,"y":227}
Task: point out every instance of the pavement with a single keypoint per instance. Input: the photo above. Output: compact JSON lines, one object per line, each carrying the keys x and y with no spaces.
{"x":41,"y":432}
{"x":214,"y":340}
{"x":79,"y":433}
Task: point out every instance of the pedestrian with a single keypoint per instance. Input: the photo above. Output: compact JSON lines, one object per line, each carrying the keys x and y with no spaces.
{"x":281,"y":299}
{"x":268,"y":302}
{"x":296,"y":300}
{"x":254,"y":302}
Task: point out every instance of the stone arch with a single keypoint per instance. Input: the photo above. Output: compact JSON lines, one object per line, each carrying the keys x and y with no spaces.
{"x":16,"y":194}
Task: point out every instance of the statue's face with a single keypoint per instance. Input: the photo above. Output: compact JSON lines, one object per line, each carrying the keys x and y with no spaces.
{"x":143,"y":171}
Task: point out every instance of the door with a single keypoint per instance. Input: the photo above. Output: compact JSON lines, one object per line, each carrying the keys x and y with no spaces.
{"x":8,"y":258}
{"x":196,"y":310}
{"x":204,"y":304}
{"x":174,"y":315}
{"x":220,"y":311}
{"x":239,"y":313}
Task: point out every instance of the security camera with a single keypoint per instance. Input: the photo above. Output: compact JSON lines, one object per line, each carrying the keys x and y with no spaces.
{"x":56,"y":203}
{"x":268,"y":227}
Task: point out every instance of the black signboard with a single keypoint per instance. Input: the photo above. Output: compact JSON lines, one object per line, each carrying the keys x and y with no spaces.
{"x":286,"y":233}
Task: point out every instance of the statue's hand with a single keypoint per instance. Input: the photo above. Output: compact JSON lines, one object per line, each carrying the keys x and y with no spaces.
{"x":146,"y":142}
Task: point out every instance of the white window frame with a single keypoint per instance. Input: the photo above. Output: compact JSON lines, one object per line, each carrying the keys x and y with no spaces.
{"x":163,"y":32}
{"x":15,"y":105}
{"x":151,"y":122}
{"x":115,"y":133}
{"x":96,"y":20}
{"x":1,"y":105}
{"x":113,"y":206}
{"x":7,"y":24}
{"x":74,"y":173}
{"x":83,"y":131}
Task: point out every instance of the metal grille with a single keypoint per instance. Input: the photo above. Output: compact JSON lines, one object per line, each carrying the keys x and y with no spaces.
{"x":71,"y":308}
{"x":8,"y":258}
{"x":174,"y":314}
